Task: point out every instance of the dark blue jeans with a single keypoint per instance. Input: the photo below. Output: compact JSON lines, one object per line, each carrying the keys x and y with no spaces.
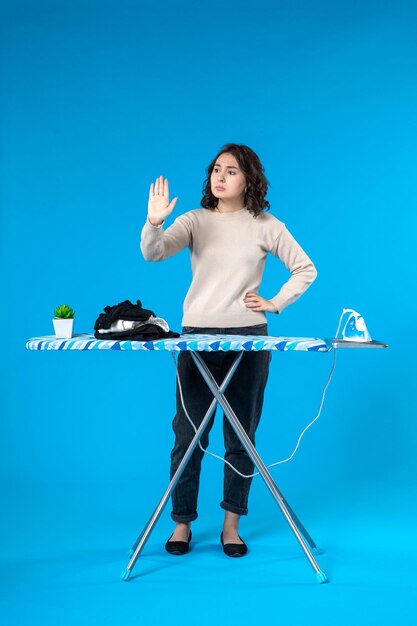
{"x":245,"y":394}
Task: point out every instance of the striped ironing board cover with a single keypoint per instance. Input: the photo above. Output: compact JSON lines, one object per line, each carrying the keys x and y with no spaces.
{"x":193,"y":342}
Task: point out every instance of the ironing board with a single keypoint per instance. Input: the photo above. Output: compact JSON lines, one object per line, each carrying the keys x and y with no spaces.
{"x":195,"y":343}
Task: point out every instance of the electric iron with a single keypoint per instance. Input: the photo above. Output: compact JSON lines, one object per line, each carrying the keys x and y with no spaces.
{"x":354,"y":328}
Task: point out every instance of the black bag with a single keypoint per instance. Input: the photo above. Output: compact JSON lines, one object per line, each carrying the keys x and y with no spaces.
{"x":130,"y":312}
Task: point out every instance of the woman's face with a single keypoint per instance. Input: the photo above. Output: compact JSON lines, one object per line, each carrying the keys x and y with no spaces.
{"x":227,"y":180}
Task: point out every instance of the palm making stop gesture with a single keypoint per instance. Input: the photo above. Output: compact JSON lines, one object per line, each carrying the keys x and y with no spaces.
{"x":159,"y":206}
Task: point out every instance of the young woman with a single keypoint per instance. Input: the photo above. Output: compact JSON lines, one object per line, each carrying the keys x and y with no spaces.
{"x":228,"y":238}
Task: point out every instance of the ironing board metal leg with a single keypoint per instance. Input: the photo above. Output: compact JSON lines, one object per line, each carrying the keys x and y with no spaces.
{"x":300,"y":527}
{"x":251,"y":450}
{"x":144,"y":535}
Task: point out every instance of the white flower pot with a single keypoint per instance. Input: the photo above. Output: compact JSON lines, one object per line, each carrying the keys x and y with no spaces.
{"x":63,"y":328}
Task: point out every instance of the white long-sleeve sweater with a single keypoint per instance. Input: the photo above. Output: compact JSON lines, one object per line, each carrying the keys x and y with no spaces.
{"x":228,"y":252}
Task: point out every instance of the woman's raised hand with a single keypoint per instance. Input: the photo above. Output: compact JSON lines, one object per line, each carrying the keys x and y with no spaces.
{"x":159,"y":206}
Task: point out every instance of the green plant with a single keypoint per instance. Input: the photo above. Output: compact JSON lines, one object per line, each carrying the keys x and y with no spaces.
{"x":64,"y":312}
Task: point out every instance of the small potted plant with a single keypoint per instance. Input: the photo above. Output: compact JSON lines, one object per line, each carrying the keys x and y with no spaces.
{"x":63,"y":321}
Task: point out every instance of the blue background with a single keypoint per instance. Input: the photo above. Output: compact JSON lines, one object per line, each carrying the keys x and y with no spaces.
{"x":100,"y":98}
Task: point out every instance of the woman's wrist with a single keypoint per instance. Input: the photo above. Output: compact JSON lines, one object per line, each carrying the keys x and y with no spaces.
{"x":156,"y":225}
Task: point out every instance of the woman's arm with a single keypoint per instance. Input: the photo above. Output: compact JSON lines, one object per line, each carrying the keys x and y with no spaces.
{"x":157,"y":244}
{"x":303,"y":271}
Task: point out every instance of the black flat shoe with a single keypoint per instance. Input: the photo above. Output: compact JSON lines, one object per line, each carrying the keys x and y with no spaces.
{"x":234,"y":549}
{"x":178,"y":547}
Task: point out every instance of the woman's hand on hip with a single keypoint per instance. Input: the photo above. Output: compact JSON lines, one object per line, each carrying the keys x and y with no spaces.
{"x":257,"y":303}
{"x":159,"y":206}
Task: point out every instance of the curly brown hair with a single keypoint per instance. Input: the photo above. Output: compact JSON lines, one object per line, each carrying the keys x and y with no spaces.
{"x":256,"y":182}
